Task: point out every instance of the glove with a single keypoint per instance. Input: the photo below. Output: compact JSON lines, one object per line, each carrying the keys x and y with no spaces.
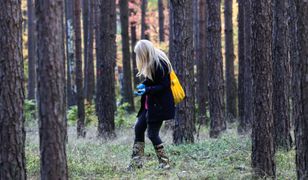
{"x":141,"y":86}
{"x":140,"y":92}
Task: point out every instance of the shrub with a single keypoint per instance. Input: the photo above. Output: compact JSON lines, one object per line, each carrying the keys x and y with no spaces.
{"x":30,"y":112}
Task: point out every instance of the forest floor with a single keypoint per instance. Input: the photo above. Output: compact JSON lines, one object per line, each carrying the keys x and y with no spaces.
{"x":227,"y":157}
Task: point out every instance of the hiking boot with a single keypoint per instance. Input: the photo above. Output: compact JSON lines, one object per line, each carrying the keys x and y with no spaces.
{"x":137,"y":156}
{"x":162,"y":157}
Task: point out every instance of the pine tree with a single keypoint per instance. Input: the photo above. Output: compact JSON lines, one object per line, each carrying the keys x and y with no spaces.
{"x":263,"y":149}
{"x":229,"y":54}
{"x":12,"y":133}
{"x":281,"y":75}
{"x":31,"y":51}
{"x":106,"y":61}
{"x":182,"y":54}
{"x":126,"y":61}
{"x":51,"y":95}
{"x":301,"y":123}
{"x":215,"y":73}
{"x":79,"y":78}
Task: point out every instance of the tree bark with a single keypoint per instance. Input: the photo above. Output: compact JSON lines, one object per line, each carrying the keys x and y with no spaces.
{"x":79,"y":78}
{"x":127,"y":73}
{"x":144,"y":26}
{"x":215,"y":73}
{"x":263,"y":149}
{"x":71,"y":83}
{"x":133,"y":54}
{"x":294,"y":63}
{"x":51,"y":80}
{"x":229,"y":55}
{"x":182,"y":54}
{"x":31,"y":51}
{"x":301,"y":124}
{"x":12,"y":133}
{"x":243,"y":125}
{"x":161,"y":20}
{"x":281,"y":76}
{"x":133,"y":32}
{"x":89,"y":84}
{"x":106,"y":61}
{"x":248,"y":81}
{"x":202,"y":68}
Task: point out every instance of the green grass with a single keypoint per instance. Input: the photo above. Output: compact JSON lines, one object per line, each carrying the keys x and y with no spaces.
{"x":225,"y":158}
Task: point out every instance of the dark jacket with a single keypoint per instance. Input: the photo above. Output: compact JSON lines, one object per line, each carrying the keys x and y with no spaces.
{"x":160,"y":98}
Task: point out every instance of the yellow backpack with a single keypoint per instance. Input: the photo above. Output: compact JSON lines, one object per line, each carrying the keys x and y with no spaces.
{"x":176,"y":88}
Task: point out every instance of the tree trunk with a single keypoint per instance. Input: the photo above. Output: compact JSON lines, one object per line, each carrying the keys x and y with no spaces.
{"x":263,"y":149}
{"x":31,"y":51}
{"x":170,"y":124}
{"x":281,"y":75}
{"x":89,"y":84}
{"x":133,"y":54}
{"x":85,"y":23}
{"x":202,"y":68}
{"x":144,"y":26}
{"x":216,"y":82}
{"x":243,"y":125}
{"x":133,"y":31}
{"x":301,"y":124}
{"x":12,"y":133}
{"x":51,"y":80}
{"x":248,"y":109}
{"x":161,"y":20}
{"x":106,"y":61}
{"x":294,"y":63}
{"x":182,"y":42}
{"x":195,"y":29}
{"x":127,"y":77}
{"x":229,"y":55}
{"x":79,"y":80}
{"x":71,"y":83}
{"x":195,"y":41}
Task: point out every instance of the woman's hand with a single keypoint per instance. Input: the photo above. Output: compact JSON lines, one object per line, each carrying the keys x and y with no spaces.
{"x":141,"y":86}
{"x":140,"y":92}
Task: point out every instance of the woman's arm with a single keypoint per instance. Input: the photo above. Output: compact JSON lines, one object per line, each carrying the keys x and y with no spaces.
{"x":162,"y":78}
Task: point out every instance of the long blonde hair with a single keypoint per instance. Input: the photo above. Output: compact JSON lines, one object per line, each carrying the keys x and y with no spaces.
{"x":146,"y":56}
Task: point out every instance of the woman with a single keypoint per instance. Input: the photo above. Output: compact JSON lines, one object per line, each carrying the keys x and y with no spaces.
{"x":157,"y":102}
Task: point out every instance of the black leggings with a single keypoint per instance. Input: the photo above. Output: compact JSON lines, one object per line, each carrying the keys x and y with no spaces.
{"x":153,"y":129}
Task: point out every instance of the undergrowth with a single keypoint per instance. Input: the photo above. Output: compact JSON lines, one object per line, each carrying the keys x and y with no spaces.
{"x":225,"y":158}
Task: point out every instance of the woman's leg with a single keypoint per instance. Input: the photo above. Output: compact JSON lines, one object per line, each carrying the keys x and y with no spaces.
{"x":138,"y":148}
{"x":140,"y":127}
{"x":153,"y":132}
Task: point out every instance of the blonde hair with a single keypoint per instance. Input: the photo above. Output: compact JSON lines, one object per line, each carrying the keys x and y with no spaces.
{"x":146,"y":56}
